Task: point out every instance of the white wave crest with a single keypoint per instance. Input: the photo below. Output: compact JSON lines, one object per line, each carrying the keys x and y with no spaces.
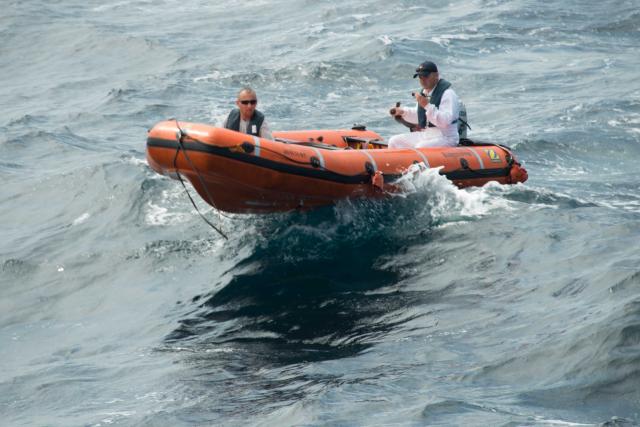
{"x":444,"y":199}
{"x":82,"y":218}
{"x":160,"y":215}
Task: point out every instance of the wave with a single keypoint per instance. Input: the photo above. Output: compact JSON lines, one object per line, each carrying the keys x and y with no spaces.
{"x":322,"y":284}
{"x":593,"y":365}
{"x":621,"y":22}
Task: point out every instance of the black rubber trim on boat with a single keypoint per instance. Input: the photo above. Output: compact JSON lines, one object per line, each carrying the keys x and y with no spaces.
{"x":323,"y":174}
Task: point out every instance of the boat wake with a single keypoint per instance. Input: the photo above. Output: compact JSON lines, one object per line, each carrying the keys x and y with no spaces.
{"x":323,"y":284}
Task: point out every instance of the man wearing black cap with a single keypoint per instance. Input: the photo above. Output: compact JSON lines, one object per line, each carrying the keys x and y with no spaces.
{"x":436,"y":115}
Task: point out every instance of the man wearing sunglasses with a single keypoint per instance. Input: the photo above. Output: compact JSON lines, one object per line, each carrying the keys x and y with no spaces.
{"x":245,"y":118}
{"x":435,"y":118}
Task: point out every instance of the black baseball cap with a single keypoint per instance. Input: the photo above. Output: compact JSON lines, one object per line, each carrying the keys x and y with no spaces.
{"x":426,"y":68}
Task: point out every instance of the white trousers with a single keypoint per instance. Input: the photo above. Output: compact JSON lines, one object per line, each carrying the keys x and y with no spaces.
{"x":429,"y":137}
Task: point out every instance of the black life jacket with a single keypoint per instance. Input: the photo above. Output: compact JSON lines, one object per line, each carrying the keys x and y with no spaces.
{"x":233,"y":122}
{"x":436,"y":97}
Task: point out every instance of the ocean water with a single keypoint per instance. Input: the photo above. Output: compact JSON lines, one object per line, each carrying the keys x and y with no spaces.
{"x":494,"y":306}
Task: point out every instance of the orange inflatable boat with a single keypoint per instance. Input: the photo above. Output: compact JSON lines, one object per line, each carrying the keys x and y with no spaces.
{"x":236,"y":172}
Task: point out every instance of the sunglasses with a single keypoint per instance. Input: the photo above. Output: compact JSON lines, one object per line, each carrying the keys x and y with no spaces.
{"x":249,"y":101}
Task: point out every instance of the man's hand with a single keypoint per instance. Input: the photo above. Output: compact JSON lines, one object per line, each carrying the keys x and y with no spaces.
{"x":422,"y":100}
{"x":396,"y":112}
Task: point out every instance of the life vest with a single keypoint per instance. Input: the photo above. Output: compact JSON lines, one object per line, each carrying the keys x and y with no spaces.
{"x":436,"y":97}
{"x":253,"y":128}
{"x":462,"y":121}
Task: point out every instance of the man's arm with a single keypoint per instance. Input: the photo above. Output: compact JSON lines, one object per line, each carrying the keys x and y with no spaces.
{"x":448,"y":111}
{"x":265,"y":131}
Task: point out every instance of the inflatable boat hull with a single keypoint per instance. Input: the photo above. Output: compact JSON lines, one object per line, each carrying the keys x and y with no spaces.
{"x":239,"y":173}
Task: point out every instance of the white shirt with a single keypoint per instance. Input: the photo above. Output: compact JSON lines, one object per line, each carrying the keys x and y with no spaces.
{"x":265,"y":131}
{"x":441,"y":117}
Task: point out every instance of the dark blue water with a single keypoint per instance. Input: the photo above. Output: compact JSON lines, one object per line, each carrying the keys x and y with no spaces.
{"x":494,"y":306}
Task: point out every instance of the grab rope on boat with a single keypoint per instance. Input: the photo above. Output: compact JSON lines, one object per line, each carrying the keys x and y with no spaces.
{"x":179,"y":137}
